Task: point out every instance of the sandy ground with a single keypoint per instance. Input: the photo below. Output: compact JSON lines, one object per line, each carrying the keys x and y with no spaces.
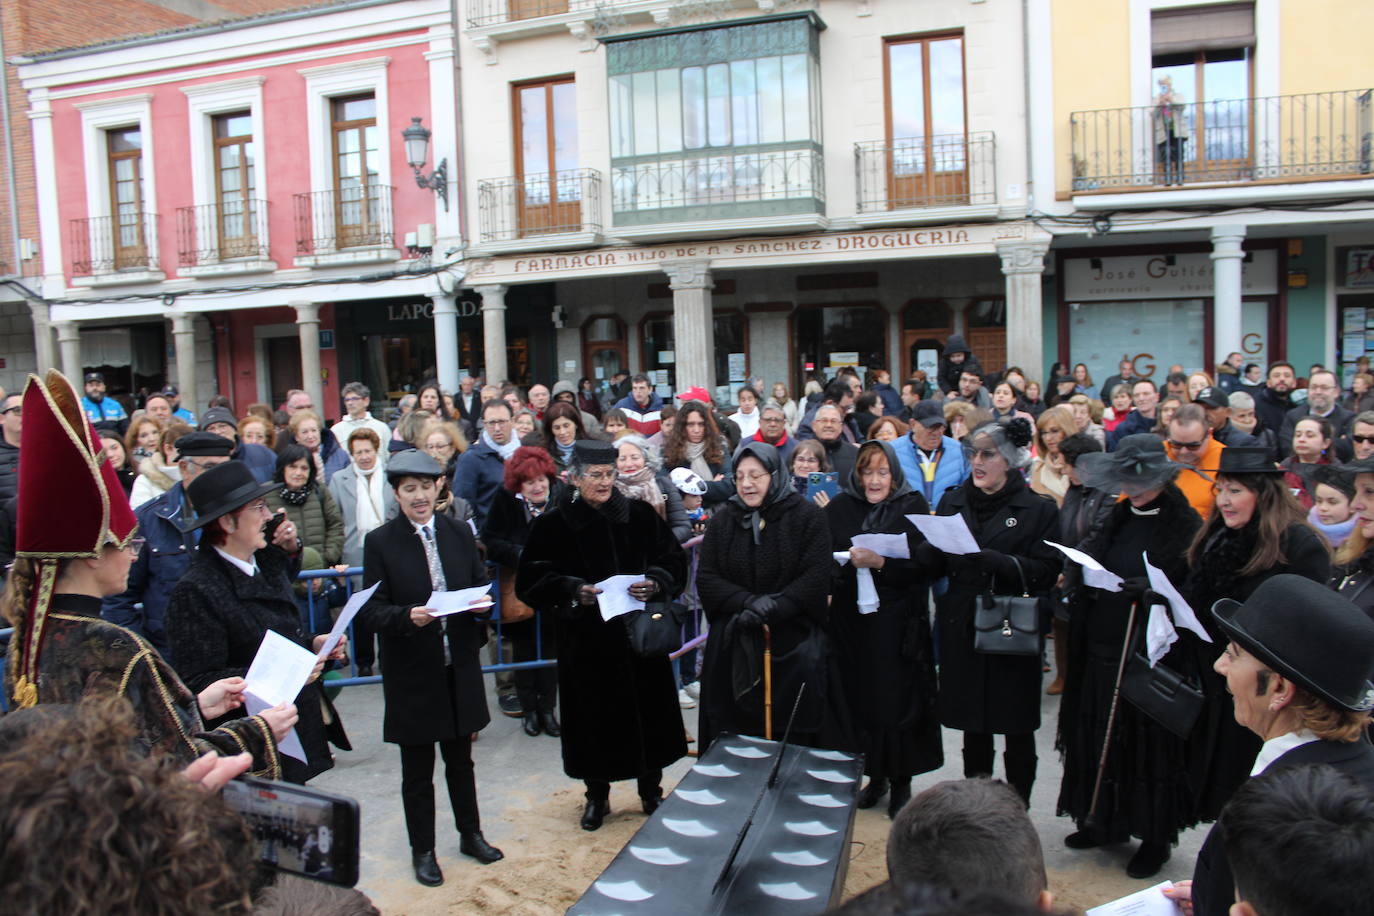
{"x":531,"y":810}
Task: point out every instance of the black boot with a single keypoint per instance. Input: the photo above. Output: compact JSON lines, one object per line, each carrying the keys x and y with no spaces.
{"x":651,"y":802}
{"x":550,"y":724}
{"x":872,"y":793}
{"x":901,"y":794}
{"x":1148,"y":860}
{"x":472,"y":843}
{"x":531,"y":724}
{"x":426,"y":868}
{"x":595,"y":813}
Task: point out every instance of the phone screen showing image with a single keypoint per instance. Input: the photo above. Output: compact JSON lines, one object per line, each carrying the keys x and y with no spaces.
{"x":304,"y":831}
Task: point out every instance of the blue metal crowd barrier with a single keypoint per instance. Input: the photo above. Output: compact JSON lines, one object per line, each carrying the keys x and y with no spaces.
{"x":316,"y":622}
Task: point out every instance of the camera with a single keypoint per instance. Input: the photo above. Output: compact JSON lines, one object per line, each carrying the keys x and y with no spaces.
{"x":298,"y":829}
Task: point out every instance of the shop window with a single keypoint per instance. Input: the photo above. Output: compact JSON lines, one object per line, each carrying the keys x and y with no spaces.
{"x":659,"y":359}
{"x":549,"y":189}
{"x":934,"y":314}
{"x":985,"y":323}
{"x":1154,"y":334}
{"x":828,"y":337}
{"x":719,"y":116}
{"x":604,"y":351}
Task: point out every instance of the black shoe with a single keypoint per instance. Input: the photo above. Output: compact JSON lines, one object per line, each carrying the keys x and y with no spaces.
{"x":1148,"y":860}
{"x":595,"y":813}
{"x":532,"y":724}
{"x":901,"y":794}
{"x":550,"y":724}
{"x":651,"y":803}
{"x":510,"y":705}
{"x":364,"y":671}
{"x":475,"y":845}
{"x":873,"y":793}
{"x":1084,"y":839}
{"x":427,"y":868}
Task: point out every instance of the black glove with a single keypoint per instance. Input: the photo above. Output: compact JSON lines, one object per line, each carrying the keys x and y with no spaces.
{"x":928,"y":557}
{"x":1135,"y":587}
{"x":998,"y":564}
{"x":758,"y":610}
{"x":586,"y":595}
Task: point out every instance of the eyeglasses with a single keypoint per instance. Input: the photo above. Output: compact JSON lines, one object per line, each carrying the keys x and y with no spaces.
{"x":259,"y":506}
{"x":599,"y":476}
{"x":17,"y":409}
{"x":135,"y":547}
{"x":496,"y":422}
{"x":1191,"y":446}
{"x":751,"y":478}
{"x":1363,"y":440}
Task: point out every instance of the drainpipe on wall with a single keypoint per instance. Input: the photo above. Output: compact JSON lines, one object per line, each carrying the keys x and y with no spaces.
{"x":459,"y":155}
{"x":10,"y":185}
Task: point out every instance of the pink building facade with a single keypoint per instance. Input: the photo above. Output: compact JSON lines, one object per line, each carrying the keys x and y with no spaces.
{"x":222,"y":207}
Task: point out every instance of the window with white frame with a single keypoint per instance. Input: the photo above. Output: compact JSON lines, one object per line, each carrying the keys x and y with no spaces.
{"x":229,"y":219}
{"x":119,"y":231}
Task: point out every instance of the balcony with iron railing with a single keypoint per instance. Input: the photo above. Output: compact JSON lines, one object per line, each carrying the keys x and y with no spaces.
{"x":348,"y":225}
{"x":109,"y":250}
{"x":924,"y":179}
{"x":1318,"y":136}
{"x":777,"y":187}
{"x":222,"y":239}
{"x":549,"y":210}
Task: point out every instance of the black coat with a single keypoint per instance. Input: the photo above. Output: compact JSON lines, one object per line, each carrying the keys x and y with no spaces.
{"x":993,"y":693}
{"x":621,"y":717}
{"x":886,"y":660}
{"x":1145,"y":790}
{"x":504,"y":535}
{"x":1356,"y":582}
{"x":792,"y":562}
{"x":1220,"y":750}
{"x":216,"y":618}
{"x":1214,"y":888}
{"x":424,"y":704}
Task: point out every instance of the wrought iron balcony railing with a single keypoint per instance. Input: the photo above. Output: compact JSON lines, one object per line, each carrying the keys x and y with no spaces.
{"x":226,"y":231}
{"x":528,"y":206}
{"x":941,"y":171}
{"x":492,"y":12}
{"x":107,"y":244}
{"x":716,"y":184}
{"x":1317,"y":135}
{"x":353,"y":216}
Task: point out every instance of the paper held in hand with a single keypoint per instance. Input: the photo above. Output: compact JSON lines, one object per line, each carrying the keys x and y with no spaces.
{"x":277,"y":675}
{"x":1095,"y":575}
{"x":1149,"y":902}
{"x":948,"y":533}
{"x":1182,"y":611}
{"x":350,"y":610}
{"x":891,"y":546}
{"x":458,"y":601}
{"x":615,"y":598}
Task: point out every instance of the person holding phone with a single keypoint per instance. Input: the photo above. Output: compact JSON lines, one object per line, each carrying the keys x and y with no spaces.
{"x":810,"y":461}
{"x":433,"y":687}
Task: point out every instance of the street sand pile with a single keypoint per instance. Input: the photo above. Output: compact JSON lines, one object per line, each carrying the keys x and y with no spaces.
{"x":550,"y":862}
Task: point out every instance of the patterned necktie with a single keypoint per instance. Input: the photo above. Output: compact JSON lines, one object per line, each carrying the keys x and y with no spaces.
{"x":436,"y":569}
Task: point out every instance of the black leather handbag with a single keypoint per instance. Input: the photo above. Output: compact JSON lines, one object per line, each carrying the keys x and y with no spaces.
{"x":656,"y":631}
{"x":1008,"y":624}
{"x":1172,"y":700}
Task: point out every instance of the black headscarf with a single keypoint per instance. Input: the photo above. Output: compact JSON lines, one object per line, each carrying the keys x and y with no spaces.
{"x":779,"y":484}
{"x":878,"y":513}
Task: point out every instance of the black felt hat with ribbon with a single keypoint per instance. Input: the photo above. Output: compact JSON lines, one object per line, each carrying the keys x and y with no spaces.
{"x":1139,"y":461}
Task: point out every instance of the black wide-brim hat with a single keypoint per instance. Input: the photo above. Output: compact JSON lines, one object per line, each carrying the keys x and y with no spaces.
{"x":1139,"y":460}
{"x":1309,"y":634}
{"x":1244,"y":459}
{"x":220,"y":490}
{"x":1363,"y":466}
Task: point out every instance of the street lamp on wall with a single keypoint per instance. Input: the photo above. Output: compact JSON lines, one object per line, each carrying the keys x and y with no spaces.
{"x":416,"y":138}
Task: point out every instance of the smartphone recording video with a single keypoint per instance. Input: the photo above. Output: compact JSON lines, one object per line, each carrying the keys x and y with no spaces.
{"x":304,"y":831}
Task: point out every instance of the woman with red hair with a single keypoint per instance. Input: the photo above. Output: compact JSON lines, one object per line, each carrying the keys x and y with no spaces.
{"x":530,"y":488}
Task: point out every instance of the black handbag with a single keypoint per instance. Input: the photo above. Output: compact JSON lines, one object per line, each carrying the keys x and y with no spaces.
{"x":1171,"y":699}
{"x":1007,"y":624}
{"x":655,"y":631}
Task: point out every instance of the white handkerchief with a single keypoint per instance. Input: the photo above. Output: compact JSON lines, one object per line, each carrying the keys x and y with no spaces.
{"x":948,"y":533}
{"x":868,"y":592}
{"x":1159,"y":634}
{"x":841,"y":556}
{"x":1183,"y":612}
{"x":474,"y":598}
{"x":615,"y":599}
{"x":891,"y":546}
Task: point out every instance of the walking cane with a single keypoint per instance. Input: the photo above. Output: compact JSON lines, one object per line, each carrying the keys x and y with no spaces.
{"x":1091,"y":820}
{"x":767,"y":684}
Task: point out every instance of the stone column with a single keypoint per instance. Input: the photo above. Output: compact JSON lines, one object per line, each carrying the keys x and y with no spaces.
{"x":694,"y":336}
{"x":446,"y":340}
{"x":494,"y":331}
{"x":184,"y":340}
{"x":1023,"y":265}
{"x":1227,"y":260}
{"x":44,"y":352}
{"x":69,"y":344}
{"x":308,"y":324}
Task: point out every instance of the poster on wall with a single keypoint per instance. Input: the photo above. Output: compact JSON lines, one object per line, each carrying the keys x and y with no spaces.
{"x":736,"y":362}
{"x":1354,"y":319}
{"x":1359,"y":267}
{"x":928,"y":361}
{"x":840,"y":358}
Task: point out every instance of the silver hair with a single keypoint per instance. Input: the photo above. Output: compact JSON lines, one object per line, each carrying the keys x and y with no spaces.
{"x":651,"y":455}
{"x":1241,"y":400}
{"x":1018,"y":457}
